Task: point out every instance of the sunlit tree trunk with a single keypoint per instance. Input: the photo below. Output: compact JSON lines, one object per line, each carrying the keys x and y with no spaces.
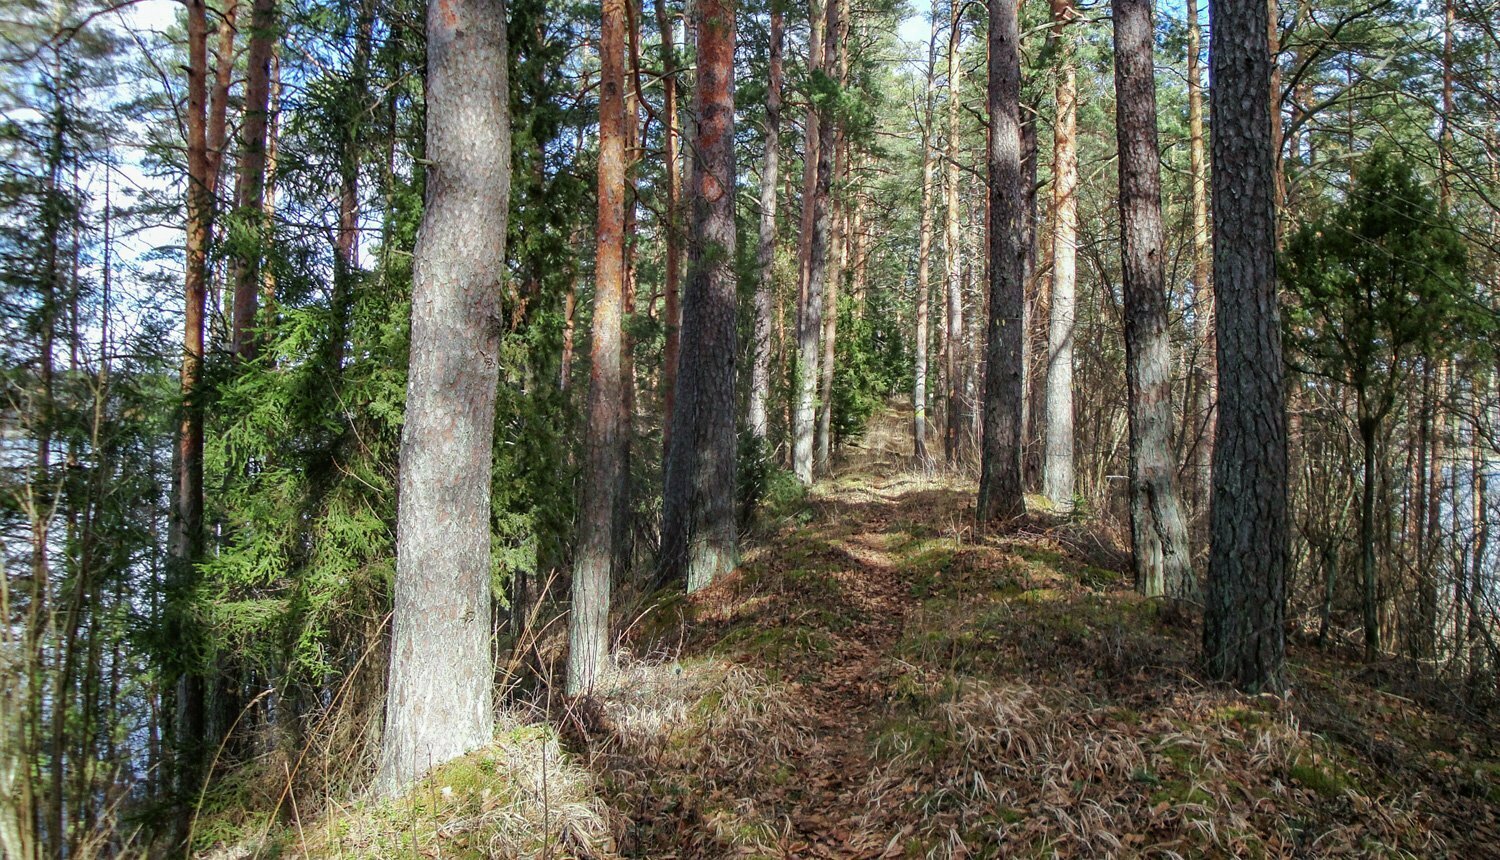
{"x":588,"y":620}
{"x":440,"y":695}
{"x":699,"y":531}
{"x":1000,"y":490}
{"x":1204,"y":368}
{"x":1245,"y":611}
{"x":837,"y":259}
{"x":252,"y":180}
{"x":1057,"y":469}
{"x":1163,"y":563}
{"x":765,"y":257}
{"x":186,"y":536}
{"x":924,"y":259}
{"x":810,"y":290}
{"x":953,"y":336}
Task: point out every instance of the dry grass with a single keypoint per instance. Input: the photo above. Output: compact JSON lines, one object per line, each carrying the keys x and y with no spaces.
{"x":522,"y":796}
{"x":688,"y":748}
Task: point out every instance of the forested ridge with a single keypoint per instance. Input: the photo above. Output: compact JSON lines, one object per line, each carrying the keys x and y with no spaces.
{"x":705,"y":429}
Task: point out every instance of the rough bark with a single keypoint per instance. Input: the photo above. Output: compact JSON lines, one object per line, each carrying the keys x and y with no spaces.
{"x":765,"y":257}
{"x":1057,"y":469}
{"x":588,"y":620}
{"x":1001,"y":495}
{"x":440,"y":698}
{"x":953,"y":335}
{"x":810,"y":300}
{"x":699,"y":531}
{"x":1245,"y":608}
{"x":924,"y":260}
{"x":1162,"y":561}
{"x":252,"y":169}
{"x":837,"y":45}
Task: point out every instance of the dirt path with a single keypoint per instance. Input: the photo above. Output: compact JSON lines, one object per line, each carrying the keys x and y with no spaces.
{"x":876,"y":681}
{"x":850,"y":698}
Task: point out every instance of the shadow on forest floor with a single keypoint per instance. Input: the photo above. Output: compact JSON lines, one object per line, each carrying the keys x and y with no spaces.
{"x":877,"y":680}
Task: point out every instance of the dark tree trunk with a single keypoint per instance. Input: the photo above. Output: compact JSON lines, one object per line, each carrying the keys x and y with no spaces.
{"x":699,"y":532}
{"x":1368,"y":572}
{"x":1001,"y":495}
{"x":1163,"y":564}
{"x":671,"y":310}
{"x":1244,"y":640}
{"x":836,"y":49}
{"x":765,"y":259}
{"x":588,"y":622}
{"x":440,"y":697}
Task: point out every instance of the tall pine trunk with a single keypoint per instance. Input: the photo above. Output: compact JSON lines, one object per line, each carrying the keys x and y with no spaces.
{"x":837,"y":45}
{"x":1205,"y":366}
{"x":673,"y":215}
{"x":1001,"y":494}
{"x":809,"y":301}
{"x":440,"y":696}
{"x":252,"y":174}
{"x":699,"y":531}
{"x":1244,"y":639}
{"x":924,"y":260}
{"x":953,"y":336}
{"x":1057,"y":469}
{"x":593,"y":562}
{"x":765,"y":256}
{"x":1163,"y":563}
{"x":185,"y":540}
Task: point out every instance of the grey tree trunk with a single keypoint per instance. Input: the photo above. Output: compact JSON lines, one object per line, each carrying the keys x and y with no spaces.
{"x":1244,"y":640}
{"x":598,"y":525}
{"x":924,"y":260}
{"x":440,"y":696}
{"x":765,"y":259}
{"x":810,"y":254}
{"x":1001,"y":496}
{"x":953,"y":410}
{"x":1057,"y":468}
{"x":699,"y":531}
{"x":1163,"y":563}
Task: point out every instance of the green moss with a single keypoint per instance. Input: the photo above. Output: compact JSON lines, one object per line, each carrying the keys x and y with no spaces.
{"x":911,"y":735}
{"x":1321,"y":776}
{"x":1178,"y":792}
{"x":776,"y":643}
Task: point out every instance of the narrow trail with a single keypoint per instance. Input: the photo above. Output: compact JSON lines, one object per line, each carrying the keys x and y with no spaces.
{"x":877,"y":681}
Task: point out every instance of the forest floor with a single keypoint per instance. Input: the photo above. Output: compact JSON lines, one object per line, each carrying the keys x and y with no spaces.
{"x":878,"y":681}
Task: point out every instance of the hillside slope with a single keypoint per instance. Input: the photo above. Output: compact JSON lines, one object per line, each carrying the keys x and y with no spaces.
{"x":878,"y":681}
